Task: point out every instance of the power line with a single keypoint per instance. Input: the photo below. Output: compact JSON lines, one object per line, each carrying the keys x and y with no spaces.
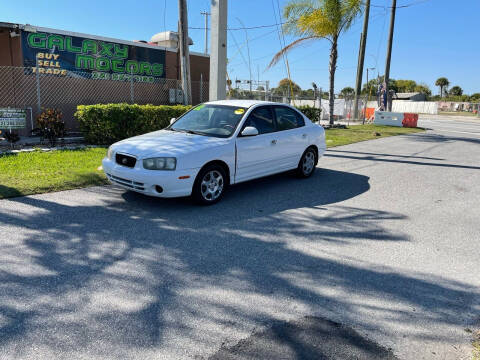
{"x":418,"y":2}
{"x":257,"y":37}
{"x":278,"y":32}
{"x":243,"y":27}
{"x":285,"y":22}
{"x":239,"y":50}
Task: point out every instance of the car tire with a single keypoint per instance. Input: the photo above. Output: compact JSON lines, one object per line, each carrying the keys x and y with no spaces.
{"x":210,"y":185}
{"x":308,"y":162}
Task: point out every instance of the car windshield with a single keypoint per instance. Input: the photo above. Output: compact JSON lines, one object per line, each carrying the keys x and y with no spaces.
{"x":210,"y":120}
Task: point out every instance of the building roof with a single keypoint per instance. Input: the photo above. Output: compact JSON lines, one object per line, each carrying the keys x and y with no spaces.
{"x":167,"y":36}
{"x":407,"y":95}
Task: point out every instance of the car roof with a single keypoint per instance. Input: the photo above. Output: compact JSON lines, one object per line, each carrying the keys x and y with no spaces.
{"x":242,"y":103}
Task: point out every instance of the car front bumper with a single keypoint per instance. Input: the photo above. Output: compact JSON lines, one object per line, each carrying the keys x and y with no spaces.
{"x":175,"y":183}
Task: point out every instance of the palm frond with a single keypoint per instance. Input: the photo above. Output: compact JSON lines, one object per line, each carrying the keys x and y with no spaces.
{"x":287,"y":48}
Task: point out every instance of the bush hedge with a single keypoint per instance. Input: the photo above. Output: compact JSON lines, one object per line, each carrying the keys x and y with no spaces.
{"x":310,"y":112}
{"x":104,"y":124}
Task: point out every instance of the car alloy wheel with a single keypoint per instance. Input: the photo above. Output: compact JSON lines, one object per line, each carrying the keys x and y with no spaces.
{"x":211,"y":186}
{"x":308,"y":163}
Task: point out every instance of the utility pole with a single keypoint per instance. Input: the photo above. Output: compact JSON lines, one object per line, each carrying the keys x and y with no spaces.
{"x":206,"y":14}
{"x":389,"y":52}
{"x":184,"y":51}
{"x":361,"y":58}
{"x":218,"y":50}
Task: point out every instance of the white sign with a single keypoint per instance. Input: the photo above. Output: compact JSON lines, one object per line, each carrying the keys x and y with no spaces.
{"x":388,"y":118}
{"x":12,"y":118}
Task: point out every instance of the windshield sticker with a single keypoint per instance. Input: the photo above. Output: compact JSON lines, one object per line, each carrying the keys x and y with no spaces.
{"x":199,"y":107}
{"x":239,"y":111}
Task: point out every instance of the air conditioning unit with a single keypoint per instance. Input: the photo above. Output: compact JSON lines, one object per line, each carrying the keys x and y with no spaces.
{"x":175,"y":96}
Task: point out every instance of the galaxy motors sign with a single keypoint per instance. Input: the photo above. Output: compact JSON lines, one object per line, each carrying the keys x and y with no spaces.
{"x":55,"y":54}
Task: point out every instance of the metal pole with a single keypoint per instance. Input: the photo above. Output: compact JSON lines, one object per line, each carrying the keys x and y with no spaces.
{"x":218,"y":50}
{"x":366,"y":102}
{"x":389,"y":52}
{"x":248,"y":53}
{"x":205,"y":13}
{"x":361,"y":58}
{"x":131,"y":86}
{"x":201,"y":88}
{"x":39,"y":103}
{"x":320,"y":103}
{"x":31,"y":115}
{"x":184,"y":52}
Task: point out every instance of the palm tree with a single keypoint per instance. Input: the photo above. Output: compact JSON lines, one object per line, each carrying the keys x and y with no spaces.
{"x":319,"y":19}
{"x":442,"y":83}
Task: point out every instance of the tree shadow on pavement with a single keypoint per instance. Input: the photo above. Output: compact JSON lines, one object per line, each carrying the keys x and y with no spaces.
{"x":104,"y":273}
{"x":437,"y":138}
{"x":311,"y":338}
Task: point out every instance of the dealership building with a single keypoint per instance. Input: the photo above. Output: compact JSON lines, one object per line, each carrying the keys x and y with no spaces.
{"x":49,"y":68}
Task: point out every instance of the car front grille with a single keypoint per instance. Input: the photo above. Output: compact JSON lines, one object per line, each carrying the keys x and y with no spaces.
{"x":125,"y":160}
{"x":126,"y":182}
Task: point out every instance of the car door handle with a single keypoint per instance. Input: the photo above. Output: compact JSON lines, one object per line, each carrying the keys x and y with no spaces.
{"x":274,"y":142}
{"x":304,"y":136}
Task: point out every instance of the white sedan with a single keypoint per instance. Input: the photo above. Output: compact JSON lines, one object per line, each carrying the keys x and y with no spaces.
{"x":214,"y":145}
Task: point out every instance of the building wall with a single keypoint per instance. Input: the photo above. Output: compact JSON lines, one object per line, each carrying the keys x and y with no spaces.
{"x":10,"y":49}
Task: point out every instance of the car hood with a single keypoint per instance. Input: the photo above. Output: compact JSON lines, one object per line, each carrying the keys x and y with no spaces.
{"x":166,"y":143}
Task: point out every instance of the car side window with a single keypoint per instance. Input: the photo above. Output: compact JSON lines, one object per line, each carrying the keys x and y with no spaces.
{"x":261,"y":118}
{"x":287,"y":118}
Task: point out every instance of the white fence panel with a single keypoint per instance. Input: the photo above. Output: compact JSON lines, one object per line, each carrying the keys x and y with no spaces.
{"x":406,"y":106}
{"x":419,"y":107}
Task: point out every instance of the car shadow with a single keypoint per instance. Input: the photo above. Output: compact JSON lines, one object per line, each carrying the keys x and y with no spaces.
{"x":263,"y":196}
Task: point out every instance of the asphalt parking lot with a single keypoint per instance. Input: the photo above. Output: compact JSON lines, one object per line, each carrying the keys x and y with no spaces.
{"x":378,"y":251}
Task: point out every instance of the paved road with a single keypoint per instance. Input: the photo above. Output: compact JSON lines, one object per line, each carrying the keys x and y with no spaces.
{"x":384,"y":240}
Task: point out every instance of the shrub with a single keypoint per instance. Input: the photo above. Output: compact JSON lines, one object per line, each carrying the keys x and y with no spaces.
{"x":50,"y":125}
{"x":11,"y":137}
{"x":311,"y":112}
{"x":107,"y":123}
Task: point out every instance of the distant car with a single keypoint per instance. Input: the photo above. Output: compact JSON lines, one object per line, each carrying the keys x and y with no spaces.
{"x":216,"y":144}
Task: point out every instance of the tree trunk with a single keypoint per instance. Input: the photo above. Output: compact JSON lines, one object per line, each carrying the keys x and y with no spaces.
{"x":332,"y":69}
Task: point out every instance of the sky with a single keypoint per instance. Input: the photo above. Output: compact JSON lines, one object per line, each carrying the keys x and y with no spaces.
{"x":432,"y":39}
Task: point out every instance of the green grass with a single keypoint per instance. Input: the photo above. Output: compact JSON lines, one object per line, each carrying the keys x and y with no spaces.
{"x":476,"y":345}
{"x":356,"y":133}
{"x":476,"y":350}
{"x":36,"y":172}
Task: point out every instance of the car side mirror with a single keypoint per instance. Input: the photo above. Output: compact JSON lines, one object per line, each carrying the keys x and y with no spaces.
{"x":172,"y":120}
{"x":249,"y":131}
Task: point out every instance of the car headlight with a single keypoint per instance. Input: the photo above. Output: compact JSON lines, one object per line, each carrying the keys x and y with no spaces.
{"x":110,"y":153}
{"x":160,"y":163}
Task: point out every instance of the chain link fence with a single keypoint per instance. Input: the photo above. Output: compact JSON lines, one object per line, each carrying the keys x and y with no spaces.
{"x":21,"y":88}
{"x":343,"y":107}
